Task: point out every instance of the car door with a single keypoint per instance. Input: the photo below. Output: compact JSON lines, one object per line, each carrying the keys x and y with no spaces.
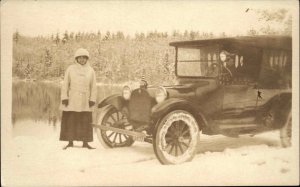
{"x":275,"y":74}
{"x":241,"y":93}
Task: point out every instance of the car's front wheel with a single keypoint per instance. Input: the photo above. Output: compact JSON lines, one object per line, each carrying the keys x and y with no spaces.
{"x":110,"y":116}
{"x":176,"y":137}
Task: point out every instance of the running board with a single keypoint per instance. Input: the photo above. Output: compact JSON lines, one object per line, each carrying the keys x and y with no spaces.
{"x":137,"y":136}
{"x":248,"y":120}
{"x":223,"y":126}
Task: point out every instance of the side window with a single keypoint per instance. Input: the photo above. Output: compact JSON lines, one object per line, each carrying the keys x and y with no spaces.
{"x":277,"y":60}
{"x":236,"y":61}
{"x":280,"y":64}
{"x":209,"y":59}
{"x":274,"y":70}
{"x":215,"y":57}
{"x":271,"y":60}
{"x":242,"y":61}
{"x":285,"y":60}
{"x":239,"y":75}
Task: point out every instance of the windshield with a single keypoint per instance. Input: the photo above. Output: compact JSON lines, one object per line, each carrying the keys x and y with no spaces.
{"x":197,"y":61}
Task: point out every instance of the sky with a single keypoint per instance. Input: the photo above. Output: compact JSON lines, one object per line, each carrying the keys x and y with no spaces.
{"x":33,"y":18}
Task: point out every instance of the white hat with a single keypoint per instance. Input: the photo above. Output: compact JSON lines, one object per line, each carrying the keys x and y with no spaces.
{"x":82,"y":52}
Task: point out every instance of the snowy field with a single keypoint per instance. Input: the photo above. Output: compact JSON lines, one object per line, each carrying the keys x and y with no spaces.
{"x":39,"y":160}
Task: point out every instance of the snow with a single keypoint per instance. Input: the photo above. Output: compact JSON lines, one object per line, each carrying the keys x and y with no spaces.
{"x":38,"y":160}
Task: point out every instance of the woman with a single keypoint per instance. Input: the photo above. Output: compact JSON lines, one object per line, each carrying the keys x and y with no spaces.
{"x":78,"y":95}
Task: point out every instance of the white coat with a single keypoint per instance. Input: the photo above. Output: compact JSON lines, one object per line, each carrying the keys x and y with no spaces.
{"x":79,"y":87}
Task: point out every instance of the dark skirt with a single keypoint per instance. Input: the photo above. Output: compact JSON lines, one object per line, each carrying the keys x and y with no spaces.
{"x":76,"y":126}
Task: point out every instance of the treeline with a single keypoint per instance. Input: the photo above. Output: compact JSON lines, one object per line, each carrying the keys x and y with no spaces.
{"x":119,"y":35}
{"x":117,"y":57}
{"x":114,"y":56}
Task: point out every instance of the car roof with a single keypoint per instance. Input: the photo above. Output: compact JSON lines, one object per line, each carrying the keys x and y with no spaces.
{"x":277,"y":42}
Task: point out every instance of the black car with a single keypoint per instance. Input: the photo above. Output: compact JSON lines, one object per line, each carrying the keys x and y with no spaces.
{"x":229,"y":86}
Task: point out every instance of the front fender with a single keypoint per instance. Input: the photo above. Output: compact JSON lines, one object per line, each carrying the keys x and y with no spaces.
{"x":161,"y":109}
{"x":115,"y":100}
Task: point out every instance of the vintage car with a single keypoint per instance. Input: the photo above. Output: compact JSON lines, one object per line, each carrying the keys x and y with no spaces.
{"x":228,"y":86}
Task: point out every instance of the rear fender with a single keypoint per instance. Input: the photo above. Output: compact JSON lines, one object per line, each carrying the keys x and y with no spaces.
{"x":161,"y":109}
{"x":116,"y":101}
{"x":277,"y":108}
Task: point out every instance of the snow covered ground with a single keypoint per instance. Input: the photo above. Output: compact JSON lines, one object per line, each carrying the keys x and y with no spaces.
{"x":39,"y":160}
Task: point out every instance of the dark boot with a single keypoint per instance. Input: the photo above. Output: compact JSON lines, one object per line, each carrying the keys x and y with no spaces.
{"x":70,"y":144}
{"x":86,"y":145}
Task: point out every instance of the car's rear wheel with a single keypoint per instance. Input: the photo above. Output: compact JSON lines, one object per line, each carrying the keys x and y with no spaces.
{"x":176,"y":137}
{"x":286,"y":132}
{"x":110,"y":116}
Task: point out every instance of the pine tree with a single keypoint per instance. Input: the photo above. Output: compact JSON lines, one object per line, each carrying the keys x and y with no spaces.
{"x":113,"y":37}
{"x":137,"y":36}
{"x":71,"y":35}
{"x":120,"y":35}
{"x":142,"y":36}
{"x":77,"y":36}
{"x":186,"y":34}
{"x":165,"y":34}
{"x":99,"y":35}
{"x":66,"y":36}
{"x":57,"y":39}
{"x":107,"y":36}
{"x":192,"y":35}
{"x":175,"y":34}
{"x":223,"y":34}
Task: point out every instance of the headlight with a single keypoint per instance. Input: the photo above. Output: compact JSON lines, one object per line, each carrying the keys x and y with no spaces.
{"x":126,"y":92}
{"x":161,"y":94}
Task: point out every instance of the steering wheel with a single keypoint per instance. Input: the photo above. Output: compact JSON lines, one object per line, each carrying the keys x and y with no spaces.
{"x":224,"y":75}
{"x":214,"y":69}
{"x":228,"y":74}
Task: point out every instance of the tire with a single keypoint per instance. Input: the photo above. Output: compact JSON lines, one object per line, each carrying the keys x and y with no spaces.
{"x":109,"y":139}
{"x":286,"y":132}
{"x":179,"y":130}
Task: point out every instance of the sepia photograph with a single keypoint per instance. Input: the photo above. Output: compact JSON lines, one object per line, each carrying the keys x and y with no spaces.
{"x":149,"y":93}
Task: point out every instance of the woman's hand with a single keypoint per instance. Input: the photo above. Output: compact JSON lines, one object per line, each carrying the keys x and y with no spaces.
{"x":91,"y":103}
{"x":65,"y":102}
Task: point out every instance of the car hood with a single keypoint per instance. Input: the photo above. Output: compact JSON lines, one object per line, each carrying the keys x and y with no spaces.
{"x":187,"y":90}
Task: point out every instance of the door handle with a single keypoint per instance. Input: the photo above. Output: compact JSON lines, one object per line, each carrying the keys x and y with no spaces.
{"x":259,"y":94}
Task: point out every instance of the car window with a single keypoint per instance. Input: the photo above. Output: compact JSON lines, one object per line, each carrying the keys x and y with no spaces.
{"x":275,"y":69}
{"x":197,"y":61}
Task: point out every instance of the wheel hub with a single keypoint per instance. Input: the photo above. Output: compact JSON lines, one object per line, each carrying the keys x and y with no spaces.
{"x":119,"y":123}
{"x":180,"y":139}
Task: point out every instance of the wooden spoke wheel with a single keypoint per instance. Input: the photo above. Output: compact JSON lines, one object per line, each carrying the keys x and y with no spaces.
{"x":176,"y":138}
{"x":110,"y":116}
